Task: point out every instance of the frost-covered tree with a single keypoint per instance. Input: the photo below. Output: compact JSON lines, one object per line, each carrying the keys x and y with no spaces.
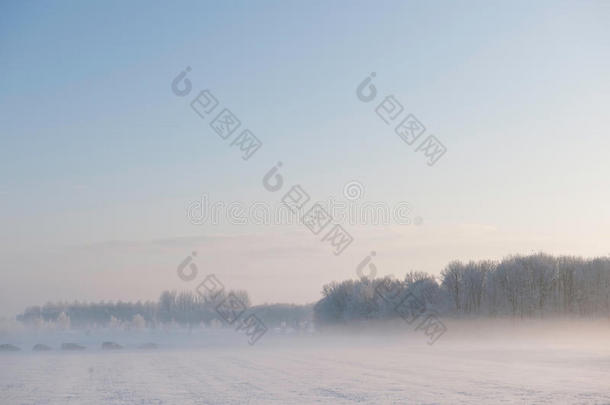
{"x":63,"y":321}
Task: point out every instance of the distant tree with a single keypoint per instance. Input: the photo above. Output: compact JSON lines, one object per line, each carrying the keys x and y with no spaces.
{"x":63,"y":321}
{"x":167,"y":304}
{"x":138,"y":322}
{"x":453,"y":282}
{"x":243,"y":296}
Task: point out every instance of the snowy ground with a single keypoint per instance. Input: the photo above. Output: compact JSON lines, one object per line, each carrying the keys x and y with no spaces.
{"x":399,"y":369}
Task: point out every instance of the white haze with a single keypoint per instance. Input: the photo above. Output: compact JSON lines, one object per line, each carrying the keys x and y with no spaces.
{"x":494,"y":361}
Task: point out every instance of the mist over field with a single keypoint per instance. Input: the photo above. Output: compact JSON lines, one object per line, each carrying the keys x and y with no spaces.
{"x":296,"y":202}
{"x":510,"y":361}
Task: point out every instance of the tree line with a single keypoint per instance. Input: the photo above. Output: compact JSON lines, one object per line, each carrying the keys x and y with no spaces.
{"x":537,"y":285}
{"x":180,"y":308}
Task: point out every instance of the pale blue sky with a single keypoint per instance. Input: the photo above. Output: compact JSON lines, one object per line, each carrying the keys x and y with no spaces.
{"x":96,"y":147}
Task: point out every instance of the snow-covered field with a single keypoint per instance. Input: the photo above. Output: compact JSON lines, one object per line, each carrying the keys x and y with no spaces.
{"x":478,"y":366}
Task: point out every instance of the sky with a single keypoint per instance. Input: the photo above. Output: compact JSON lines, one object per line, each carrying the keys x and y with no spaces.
{"x":100,"y":160}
